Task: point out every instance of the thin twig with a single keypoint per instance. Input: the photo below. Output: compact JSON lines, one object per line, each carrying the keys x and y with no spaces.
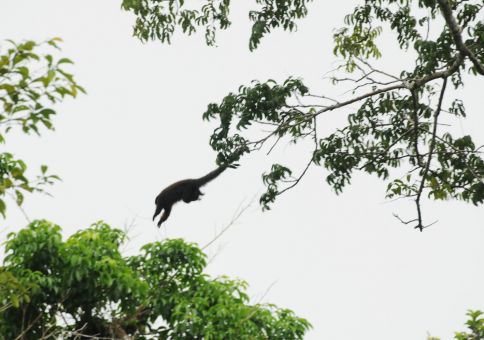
{"x":22,"y":210}
{"x":296,"y":181}
{"x":232,"y":221}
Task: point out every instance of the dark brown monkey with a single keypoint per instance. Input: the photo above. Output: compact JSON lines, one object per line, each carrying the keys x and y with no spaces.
{"x":187,"y":190}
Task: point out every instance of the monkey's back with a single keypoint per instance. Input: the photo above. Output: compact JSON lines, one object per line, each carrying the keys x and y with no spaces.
{"x":173,"y":192}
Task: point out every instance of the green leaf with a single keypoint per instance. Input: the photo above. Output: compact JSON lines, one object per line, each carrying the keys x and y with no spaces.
{"x":3,"y":208}
{"x":15,"y":301}
{"x":65,"y":61}
{"x":19,"y":197}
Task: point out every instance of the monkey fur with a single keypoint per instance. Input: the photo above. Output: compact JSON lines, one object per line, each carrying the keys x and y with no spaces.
{"x":187,"y":190}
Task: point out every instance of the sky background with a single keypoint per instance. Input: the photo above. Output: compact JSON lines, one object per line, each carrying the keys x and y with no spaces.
{"x":343,"y":262}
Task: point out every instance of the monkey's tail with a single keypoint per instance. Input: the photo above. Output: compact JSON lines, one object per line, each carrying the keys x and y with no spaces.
{"x":211,"y":175}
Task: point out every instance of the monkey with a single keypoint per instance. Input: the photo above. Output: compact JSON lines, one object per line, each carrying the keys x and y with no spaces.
{"x":187,"y":190}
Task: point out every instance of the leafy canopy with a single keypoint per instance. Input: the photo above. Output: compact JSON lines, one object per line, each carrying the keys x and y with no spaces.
{"x":85,"y":286}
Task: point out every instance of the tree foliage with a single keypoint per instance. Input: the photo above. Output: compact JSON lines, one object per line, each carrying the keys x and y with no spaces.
{"x":85,"y":286}
{"x":396,"y":133}
{"x":158,"y":19}
{"x":475,"y":323}
{"x":31,"y":82}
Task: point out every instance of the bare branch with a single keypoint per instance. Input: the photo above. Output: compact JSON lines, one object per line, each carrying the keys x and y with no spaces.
{"x":234,"y":219}
{"x":21,"y":335}
{"x":22,"y":210}
{"x":375,"y":69}
{"x":296,"y":181}
{"x":273,"y":145}
{"x":322,"y":97}
{"x":403,"y":221}
{"x":406,"y":83}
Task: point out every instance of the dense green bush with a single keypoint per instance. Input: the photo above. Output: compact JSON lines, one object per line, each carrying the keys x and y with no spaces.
{"x":84,"y":285}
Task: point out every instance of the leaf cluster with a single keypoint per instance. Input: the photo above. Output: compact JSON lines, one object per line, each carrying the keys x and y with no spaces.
{"x":475,"y":323}
{"x":273,"y":14}
{"x":31,"y":83}
{"x":13,"y":180}
{"x":158,"y":19}
{"x":267,"y":102}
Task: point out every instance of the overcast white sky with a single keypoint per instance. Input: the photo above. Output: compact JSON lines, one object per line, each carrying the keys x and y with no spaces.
{"x":343,"y":262}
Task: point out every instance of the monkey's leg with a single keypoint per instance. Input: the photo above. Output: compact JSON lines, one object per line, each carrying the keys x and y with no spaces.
{"x":159,"y":207}
{"x":165,"y":215}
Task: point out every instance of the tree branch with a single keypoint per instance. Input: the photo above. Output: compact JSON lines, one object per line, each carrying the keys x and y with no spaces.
{"x":456,"y":31}
{"x":405,"y":84}
{"x":429,"y":159}
{"x":416,"y":127}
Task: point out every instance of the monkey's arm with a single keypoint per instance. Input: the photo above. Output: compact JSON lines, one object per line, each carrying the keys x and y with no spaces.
{"x":191,"y":193}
